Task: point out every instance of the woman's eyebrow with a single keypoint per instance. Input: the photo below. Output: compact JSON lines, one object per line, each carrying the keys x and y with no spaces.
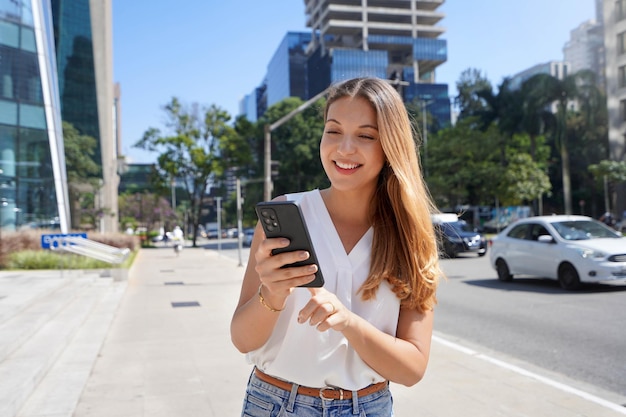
{"x":362,"y":126}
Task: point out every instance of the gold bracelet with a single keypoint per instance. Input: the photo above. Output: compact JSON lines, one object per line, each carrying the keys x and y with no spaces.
{"x":265,"y":304}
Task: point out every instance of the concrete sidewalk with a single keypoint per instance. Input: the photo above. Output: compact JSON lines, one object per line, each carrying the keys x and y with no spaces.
{"x":168,"y":353}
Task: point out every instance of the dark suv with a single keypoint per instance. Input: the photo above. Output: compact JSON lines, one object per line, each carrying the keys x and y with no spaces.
{"x":458,"y":237}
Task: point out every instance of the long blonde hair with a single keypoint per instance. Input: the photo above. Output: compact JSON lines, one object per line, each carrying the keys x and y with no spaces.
{"x":404,"y":250}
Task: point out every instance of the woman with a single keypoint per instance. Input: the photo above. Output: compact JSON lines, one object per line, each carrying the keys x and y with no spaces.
{"x":337,"y":347}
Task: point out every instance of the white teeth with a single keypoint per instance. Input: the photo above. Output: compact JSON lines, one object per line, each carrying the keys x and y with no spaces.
{"x":346,"y":166}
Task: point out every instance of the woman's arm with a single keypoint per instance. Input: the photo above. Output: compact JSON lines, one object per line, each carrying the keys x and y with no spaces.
{"x":401,"y":359}
{"x":253,"y":322}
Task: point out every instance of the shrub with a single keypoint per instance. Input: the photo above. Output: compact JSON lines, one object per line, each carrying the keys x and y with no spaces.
{"x":12,"y":244}
{"x":40,"y":259}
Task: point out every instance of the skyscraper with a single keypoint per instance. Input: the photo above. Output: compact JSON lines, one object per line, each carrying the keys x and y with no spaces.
{"x":84,"y":53}
{"x":615,"y":50}
{"x":396,"y":40}
{"x":33,"y":184}
{"x":55,"y":64}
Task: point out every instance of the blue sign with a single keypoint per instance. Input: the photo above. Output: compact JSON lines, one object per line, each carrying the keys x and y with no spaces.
{"x":57,"y":239}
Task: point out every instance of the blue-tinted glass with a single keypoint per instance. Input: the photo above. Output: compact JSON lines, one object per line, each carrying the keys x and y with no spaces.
{"x":28,"y":40}
{"x":435,"y":96}
{"x":430,"y":49}
{"x":357,"y":63}
{"x":9,"y":34}
{"x":8,"y":112}
{"x":27,"y":182}
{"x":286,"y":72}
{"x":32,"y":116}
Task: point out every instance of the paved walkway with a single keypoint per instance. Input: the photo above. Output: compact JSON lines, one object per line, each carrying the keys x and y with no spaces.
{"x":167,"y":353}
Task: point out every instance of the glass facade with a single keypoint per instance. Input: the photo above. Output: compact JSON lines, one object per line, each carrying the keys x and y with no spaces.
{"x":33,"y":190}
{"x":352,"y":63}
{"x":75,"y":58}
{"x":286,"y":72}
{"x":305,"y":64}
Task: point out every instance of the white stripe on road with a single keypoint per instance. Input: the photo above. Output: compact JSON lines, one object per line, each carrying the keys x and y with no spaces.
{"x":563,"y":387}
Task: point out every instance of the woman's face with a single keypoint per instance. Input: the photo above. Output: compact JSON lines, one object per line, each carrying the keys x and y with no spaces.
{"x":350,"y":149}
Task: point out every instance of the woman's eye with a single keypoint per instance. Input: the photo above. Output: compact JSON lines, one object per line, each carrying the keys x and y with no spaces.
{"x":367,"y":137}
{"x":332,"y":132}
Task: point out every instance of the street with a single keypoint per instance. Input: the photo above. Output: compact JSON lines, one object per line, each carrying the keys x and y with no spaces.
{"x":577,"y":335}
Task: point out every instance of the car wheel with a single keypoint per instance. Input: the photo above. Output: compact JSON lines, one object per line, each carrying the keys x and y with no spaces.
{"x":503,"y":271}
{"x":568,"y":277}
{"x":482,"y":253}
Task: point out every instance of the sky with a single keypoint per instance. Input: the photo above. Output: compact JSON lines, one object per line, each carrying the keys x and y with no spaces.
{"x":216,"y":51}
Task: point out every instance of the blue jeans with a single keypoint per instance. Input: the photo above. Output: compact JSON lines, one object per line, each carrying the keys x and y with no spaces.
{"x":266,"y":400}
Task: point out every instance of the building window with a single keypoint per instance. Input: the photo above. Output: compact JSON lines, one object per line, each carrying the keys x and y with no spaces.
{"x":621,"y":76}
{"x":620,"y":10}
{"x":621,"y":43}
{"x":622,"y":110}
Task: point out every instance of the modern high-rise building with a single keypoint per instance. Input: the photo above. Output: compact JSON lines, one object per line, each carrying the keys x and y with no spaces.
{"x":615,"y":54}
{"x":585,"y":49}
{"x":83,"y":36}
{"x":557,"y":69}
{"x":33,"y":183}
{"x":55,"y":65}
{"x":396,"y":40}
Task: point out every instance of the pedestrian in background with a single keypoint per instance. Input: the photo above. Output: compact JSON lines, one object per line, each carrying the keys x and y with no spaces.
{"x":333,"y":350}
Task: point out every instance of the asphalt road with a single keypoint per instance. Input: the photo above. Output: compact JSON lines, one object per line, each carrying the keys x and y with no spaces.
{"x":578,"y":335}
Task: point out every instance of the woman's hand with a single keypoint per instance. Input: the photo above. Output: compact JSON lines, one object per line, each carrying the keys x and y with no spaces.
{"x":325,"y":311}
{"x":279,"y":282}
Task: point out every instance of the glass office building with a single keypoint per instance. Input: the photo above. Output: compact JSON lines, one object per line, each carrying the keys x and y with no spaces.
{"x":391,"y":40}
{"x":33,"y":185}
{"x":55,"y":64}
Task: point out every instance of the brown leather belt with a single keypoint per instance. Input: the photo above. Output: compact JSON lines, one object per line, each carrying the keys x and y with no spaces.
{"x":326,"y":393}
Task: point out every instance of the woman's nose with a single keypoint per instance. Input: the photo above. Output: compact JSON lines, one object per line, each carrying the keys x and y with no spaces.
{"x":346,"y":146}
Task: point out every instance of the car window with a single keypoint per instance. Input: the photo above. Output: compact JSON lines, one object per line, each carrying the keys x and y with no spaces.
{"x":461,"y":226}
{"x":519,"y":231}
{"x":538,"y":230}
{"x":583,"y":230}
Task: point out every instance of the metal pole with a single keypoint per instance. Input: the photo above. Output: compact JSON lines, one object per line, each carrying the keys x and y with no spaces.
{"x":425,"y":128}
{"x":219,"y":223}
{"x":239,"y":222}
{"x":173,"y":187}
{"x":268,"y":186}
{"x":607,"y":207}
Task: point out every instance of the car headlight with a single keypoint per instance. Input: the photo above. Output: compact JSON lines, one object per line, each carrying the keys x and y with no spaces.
{"x":590,"y":253}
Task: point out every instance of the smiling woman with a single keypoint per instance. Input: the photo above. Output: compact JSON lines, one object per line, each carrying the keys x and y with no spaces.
{"x":376,"y":247}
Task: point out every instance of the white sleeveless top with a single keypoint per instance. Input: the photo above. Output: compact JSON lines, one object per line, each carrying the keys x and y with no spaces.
{"x":299,"y":352}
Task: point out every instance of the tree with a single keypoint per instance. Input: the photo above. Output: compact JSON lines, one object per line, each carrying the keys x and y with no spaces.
{"x":82,"y":174}
{"x":197,"y":148}
{"x":295,"y":145}
{"x":469,"y":102}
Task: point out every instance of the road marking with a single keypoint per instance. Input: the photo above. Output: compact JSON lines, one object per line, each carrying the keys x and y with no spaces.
{"x":563,"y":387}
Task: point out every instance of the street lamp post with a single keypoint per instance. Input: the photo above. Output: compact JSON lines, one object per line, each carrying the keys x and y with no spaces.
{"x":267,"y":183}
{"x":425,"y":103}
{"x":3,"y":204}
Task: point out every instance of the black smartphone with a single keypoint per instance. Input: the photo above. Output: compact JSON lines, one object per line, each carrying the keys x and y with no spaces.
{"x":284,"y":219}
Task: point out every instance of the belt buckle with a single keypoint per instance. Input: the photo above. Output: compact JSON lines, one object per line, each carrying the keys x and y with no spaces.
{"x":330,"y":389}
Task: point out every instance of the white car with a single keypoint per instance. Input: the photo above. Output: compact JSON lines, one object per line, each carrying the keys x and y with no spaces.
{"x":570,"y":249}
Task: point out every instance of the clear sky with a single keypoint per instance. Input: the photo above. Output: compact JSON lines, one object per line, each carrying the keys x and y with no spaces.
{"x":217,"y":51}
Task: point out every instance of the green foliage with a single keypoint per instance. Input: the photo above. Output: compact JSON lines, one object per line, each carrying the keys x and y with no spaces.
{"x":198,"y":147}
{"x":38,"y":259}
{"x":471,"y":166}
{"x":523,"y":181}
{"x":79,"y":152}
{"x":82,"y":175}
{"x":295,"y":145}
{"x":614,"y":171}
